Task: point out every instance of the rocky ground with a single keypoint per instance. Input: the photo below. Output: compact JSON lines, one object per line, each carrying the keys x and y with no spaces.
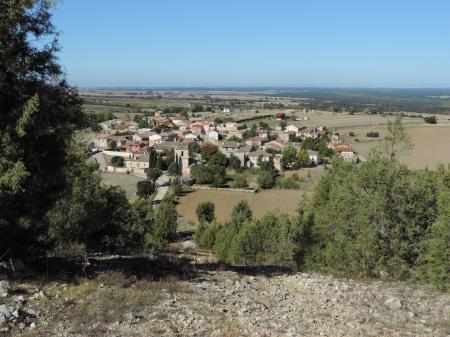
{"x":204,"y":299}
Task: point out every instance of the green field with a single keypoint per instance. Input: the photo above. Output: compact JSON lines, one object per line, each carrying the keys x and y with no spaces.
{"x":125,"y":181}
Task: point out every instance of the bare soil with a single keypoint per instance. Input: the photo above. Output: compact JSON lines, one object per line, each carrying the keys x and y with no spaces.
{"x":432,"y":145}
{"x":260,"y":203}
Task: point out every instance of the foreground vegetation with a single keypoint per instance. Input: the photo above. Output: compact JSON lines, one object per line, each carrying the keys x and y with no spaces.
{"x":52,"y":201}
{"x":378,"y":219}
{"x":375,"y":219}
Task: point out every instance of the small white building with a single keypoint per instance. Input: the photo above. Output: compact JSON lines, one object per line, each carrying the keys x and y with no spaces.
{"x":139,"y":165}
{"x":294,"y":127}
{"x":155,"y":138}
{"x":213,"y":135}
{"x":190,"y":136}
{"x":255,"y":156}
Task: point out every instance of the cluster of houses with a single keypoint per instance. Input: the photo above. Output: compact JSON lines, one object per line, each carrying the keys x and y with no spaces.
{"x":125,"y":139}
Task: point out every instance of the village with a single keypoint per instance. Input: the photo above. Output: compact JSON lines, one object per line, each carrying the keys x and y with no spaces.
{"x":179,"y":139}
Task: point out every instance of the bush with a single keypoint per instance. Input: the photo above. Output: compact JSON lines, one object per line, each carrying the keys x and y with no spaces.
{"x":117,"y":161}
{"x":437,"y":257}
{"x":430,"y":119}
{"x":201,"y":174}
{"x":208,"y":150}
{"x":90,"y":213}
{"x":153,"y":174}
{"x":268,"y":241}
{"x":240,"y":214}
{"x":205,"y":235}
{"x":239,"y":181}
{"x":371,"y":219}
{"x":372,"y":134}
{"x":218,"y":159}
{"x":176,"y":186}
{"x":265,"y":180}
{"x":289,"y":183}
{"x":351,"y":134}
{"x":205,"y":212}
{"x":165,"y":224}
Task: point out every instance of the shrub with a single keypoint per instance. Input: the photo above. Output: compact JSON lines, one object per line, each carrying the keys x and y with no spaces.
{"x":289,"y":183}
{"x":268,"y":241}
{"x":240,"y":214}
{"x":201,"y":174}
{"x":265,"y":180}
{"x":205,"y":212}
{"x":351,"y":134}
{"x":205,"y":235}
{"x":165,"y":224}
{"x":208,"y":150}
{"x":117,"y":161}
{"x":372,"y":134}
{"x":176,"y":186}
{"x":89,"y":213}
{"x":437,"y":255}
{"x":239,"y":181}
{"x":430,"y":119}
{"x":363,"y":219}
{"x":153,"y":174}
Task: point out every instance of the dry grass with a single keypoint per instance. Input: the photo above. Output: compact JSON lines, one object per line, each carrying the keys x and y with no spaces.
{"x":232,"y":330}
{"x":431,"y":145}
{"x":88,"y":307}
{"x":260,"y":203}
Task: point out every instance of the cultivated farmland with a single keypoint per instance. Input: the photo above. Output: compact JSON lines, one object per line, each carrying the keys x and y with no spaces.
{"x":432,"y":145}
{"x":260,"y":203}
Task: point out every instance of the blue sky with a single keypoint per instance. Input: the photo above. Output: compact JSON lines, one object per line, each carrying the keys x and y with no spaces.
{"x":358,"y":43}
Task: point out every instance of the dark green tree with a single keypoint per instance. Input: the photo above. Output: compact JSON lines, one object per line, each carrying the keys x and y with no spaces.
{"x":88,"y":213}
{"x":145,"y":189}
{"x":39,"y":113}
{"x":152,"y":158}
{"x":165,"y":224}
{"x":241,"y":212}
{"x":371,"y":219}
{"x":205,"y":212}
{"x":117,"y":161}
{"x":218,"y":159}
{"x":208,"y":150}
{"x":201,"y":174}
{"x":153,"y":174}
{"x":194,"y":149}
{"x":437,"y":255}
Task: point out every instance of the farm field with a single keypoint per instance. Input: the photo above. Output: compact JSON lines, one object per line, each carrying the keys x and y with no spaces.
{"x":340,"y":120}
{"x":125,"y":181}
{"x":260,"y":203}
{"x":432,"y":145}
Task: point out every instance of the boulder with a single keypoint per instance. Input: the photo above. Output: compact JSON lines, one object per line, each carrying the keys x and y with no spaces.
{"x":5,"y":288}
{"x":393,"y":303}
{"x":5,"y":314}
